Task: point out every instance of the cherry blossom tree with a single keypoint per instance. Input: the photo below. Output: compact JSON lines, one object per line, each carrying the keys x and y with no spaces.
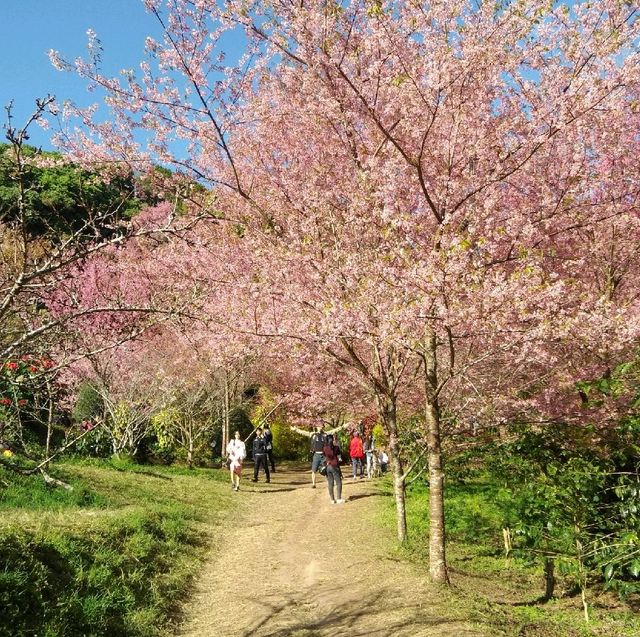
{"x":406,"y":186}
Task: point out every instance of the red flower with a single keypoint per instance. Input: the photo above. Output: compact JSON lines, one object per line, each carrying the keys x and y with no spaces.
{"x":22,"y":402}
{"x":33,"y":368}
{"x":5,"y":401}
{"x":48,"y":363}
{"x":12,"y":366}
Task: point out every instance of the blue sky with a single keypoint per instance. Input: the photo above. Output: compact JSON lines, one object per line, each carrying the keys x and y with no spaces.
{"x":29,"y":28}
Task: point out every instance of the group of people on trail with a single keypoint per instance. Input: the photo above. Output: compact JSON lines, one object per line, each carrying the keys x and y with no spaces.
{"x":262,"y":455}
{"x":326,"y":457}
{"x":365,"y":457}
{"x":327,"y":453}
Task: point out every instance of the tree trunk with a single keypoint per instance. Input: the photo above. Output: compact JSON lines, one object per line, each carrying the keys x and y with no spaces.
{"x":437,"y":538}
{"x":388,"y":415}
{"x":549,"y":578}
{"x":50,"y":406}
{"x":225,"y":416}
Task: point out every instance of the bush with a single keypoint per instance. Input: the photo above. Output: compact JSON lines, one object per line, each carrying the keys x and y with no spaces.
{"x":287,"y":444}
{"x":88,"y":405}
{"x":96,"y":444}
{"x":572,"y":499}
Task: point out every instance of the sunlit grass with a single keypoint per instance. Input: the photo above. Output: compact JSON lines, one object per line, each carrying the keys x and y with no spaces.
{"x":112,"y":556}
{"x":498,"y":594}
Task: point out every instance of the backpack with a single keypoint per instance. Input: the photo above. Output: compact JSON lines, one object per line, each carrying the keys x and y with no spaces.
{"x":268,"y":439}
{"x":317,"y":441}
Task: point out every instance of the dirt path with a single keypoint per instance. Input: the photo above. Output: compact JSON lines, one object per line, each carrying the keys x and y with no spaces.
{"x":295,"y":565}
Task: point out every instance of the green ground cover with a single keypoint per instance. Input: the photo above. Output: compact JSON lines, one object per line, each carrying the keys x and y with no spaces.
{"x":116,"y":555}
{"x":113,"y":556}
{"x":504,"y":595}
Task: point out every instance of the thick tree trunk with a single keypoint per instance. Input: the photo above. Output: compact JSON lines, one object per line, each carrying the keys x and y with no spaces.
{"x":388,"y":415}
{"x":437,"y":538}
{"x":437,"y":555}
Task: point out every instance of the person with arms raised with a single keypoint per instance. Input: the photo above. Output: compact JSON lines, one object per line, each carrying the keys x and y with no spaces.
{"x":318,"y":441}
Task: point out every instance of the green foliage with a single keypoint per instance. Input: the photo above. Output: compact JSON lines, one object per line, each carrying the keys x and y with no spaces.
{"x":162,"y":424}
{"x":287,"y":444}
{"x":239,"y":421}
{"x":31,"y":493}
{"x":572,"y":498}
{"x":472,"y":510}
{"x":60,"y":199}
{"x":95,"y":444}
{"x":379,"y":435}
{"x":67,"y":584}
{"x":89,"y":403}
{"x":25,"y":394}
{"x":111,"y":560}
{"x":497,"y":595}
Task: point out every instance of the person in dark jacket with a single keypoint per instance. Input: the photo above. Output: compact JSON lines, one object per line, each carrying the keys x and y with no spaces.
{"x":260,"y":456}
{"x":268,"y":440}
{"x":331,"y":453}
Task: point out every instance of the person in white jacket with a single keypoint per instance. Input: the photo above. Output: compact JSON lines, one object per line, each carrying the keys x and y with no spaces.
{"x":236,"y":453}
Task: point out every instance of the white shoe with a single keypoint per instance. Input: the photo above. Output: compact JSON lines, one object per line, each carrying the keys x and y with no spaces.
{"x":339,"y":501}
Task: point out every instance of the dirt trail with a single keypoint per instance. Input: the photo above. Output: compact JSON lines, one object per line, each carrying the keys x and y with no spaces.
{"x":296,"y":565}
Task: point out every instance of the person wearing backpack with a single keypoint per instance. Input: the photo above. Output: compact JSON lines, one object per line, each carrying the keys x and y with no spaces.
{"x":331,"y":453}
{"x":317,"y":443}
{"x":268,"y":441}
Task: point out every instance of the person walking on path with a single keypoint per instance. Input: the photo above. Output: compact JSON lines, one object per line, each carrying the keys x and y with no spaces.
{"x":384,"y":461}
{"x":356,"y":453}
{"x":369,"y":446}
{"x":334,"y":475}
{"x":268,"y":440}
{"x":317,"y":444}
{"x":260,"y":456}
{"x":236,"y":453}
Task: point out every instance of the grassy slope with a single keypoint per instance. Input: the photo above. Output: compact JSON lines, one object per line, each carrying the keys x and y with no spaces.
{"x":115,"y":555}
{"x":499,"y":595}
{"x":111,"y":557}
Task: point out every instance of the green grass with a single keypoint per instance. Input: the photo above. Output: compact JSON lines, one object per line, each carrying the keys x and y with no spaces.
{"x":110,"y":557}
{"x":499,"y":595}
{"x":31,"y":493}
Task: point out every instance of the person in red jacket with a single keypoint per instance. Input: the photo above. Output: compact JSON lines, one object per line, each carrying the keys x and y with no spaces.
{"x":357,"y":454}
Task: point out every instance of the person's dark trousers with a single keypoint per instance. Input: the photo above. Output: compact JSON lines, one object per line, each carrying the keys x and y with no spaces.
{"x":258,"y":461}
{"x":334,"y":476}
{"x":270,"y":460}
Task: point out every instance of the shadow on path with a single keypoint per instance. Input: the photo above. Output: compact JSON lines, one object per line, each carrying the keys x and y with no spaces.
{"x":352,"y":617}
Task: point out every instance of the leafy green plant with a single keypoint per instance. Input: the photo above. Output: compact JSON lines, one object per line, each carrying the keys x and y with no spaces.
{"x":568,"y":496}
